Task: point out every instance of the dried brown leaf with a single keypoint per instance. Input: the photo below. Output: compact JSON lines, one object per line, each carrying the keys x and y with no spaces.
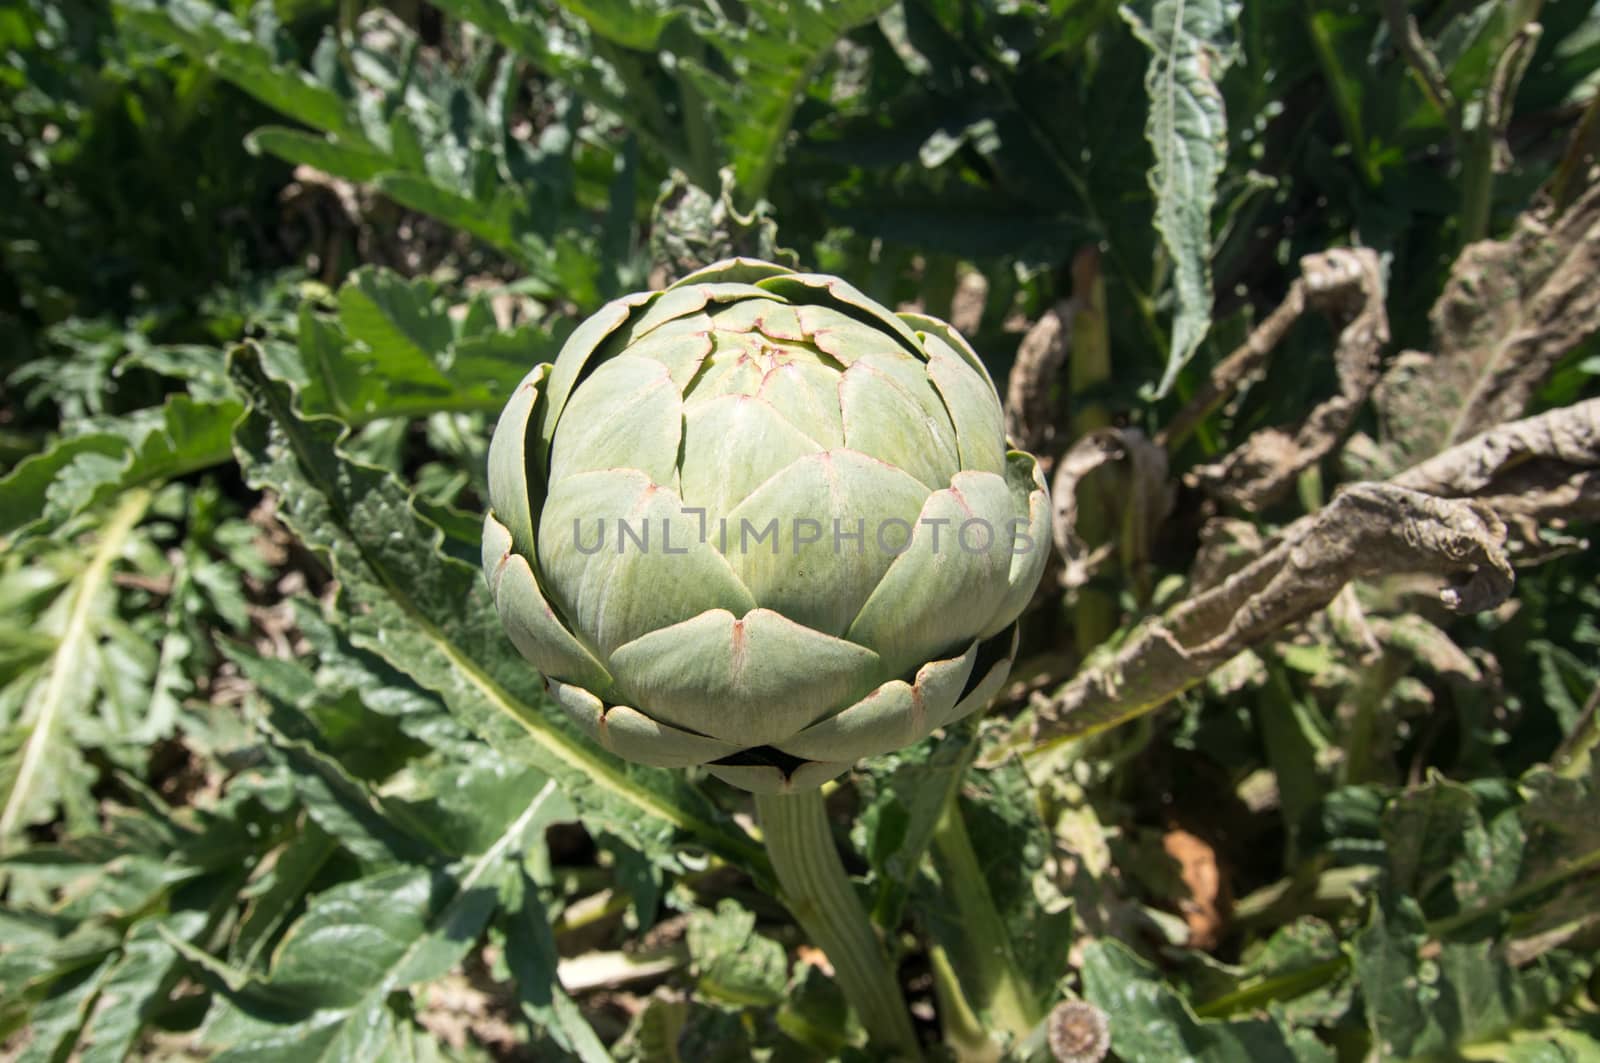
{"x":1032,"y":396}
{"x":1367,"y":531}
{"x":1511,"y":310}
{"x":1347,"y":285}
{"x":1093,"y":451}
{"x":1144,"y":496}
{"x":1543,"y":467}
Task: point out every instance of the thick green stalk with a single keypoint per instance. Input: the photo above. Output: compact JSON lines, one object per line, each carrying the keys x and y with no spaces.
{"x":1477,"y":186}
{"x":963,"y":1029}
{"x":996,"y":986}
{"x":818,"y":892}
{"x":1100,"y":500}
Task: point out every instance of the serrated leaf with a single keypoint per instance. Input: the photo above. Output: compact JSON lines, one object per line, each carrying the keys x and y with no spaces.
{"x":1510,"y":311}
{"x":1192,"y":47}
{"x":734,"y":962}
{"x":1150,"y":1021}
{"x":357,"y":944}
{"x":397,"y":319}
{"x":1461,"y":993}
{"x":41,"y":769}
{"x":774,"y":53}
{"x":112,"y":455}
{"x":429,"y":615}
{"x":448,"y":808}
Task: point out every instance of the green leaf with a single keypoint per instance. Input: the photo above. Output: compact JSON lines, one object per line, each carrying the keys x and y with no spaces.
{"x":351,"y":162}
{"x":495,"y":223}
{"x":115,"y":455}
{"x":1424,"y":829}
{"x":429,"y":615}
{"x":1564,"y":680}
{"x":212,"y":35}
{"x":288,"y":91}
{"x":910,"y":791}
{"x":1188,"y":130}
{"x":398,"y":320}
{"x":1299,"y":972}
{"x":131,"y":991}
{"x":294,"y":867}
{"x":1150,"y":1021}
{"x":735,"y":963}
{"x":635,"y":24}
{"x":774,"y":53}
{"x":54,"y":1024}
{"x":1456,"y":994}
{"x":24,"y":491}
{"x":407,"y":365}
{"x":41,"y":767}
{"x":360,"y":942}
{"x":531,"y":955}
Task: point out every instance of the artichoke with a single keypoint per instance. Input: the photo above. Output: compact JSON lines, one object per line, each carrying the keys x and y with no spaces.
{"x":757,"y":521}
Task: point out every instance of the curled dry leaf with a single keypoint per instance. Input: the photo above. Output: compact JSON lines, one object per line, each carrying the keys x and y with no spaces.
{"x":1511,"y":310}
{"x":1031,"y":390}
{"x":1541,"y":468}
{"x":1367,"y":531}
{"x":1086,"y":455}
{"x":1336,"y":282}
{"x":1347,"y":286}
{"x":1146,"y":495}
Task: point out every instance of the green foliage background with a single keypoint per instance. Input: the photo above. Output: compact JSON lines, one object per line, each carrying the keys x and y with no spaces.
{"x":274,"y":785}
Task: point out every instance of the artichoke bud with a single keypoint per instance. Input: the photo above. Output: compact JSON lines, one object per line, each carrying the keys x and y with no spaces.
{"x":759,"y":522}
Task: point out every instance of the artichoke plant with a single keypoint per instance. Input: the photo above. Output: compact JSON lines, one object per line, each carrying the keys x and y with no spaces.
{"x":759,"y":522}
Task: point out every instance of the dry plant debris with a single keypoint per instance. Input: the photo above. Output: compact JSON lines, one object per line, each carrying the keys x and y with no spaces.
{"x":1367,"y":531}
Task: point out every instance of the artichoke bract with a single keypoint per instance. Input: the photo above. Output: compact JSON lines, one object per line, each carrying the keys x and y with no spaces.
{"x":759,"y":522}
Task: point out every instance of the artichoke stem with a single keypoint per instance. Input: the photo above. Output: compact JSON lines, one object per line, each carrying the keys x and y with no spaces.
{"x":818,"y":893}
